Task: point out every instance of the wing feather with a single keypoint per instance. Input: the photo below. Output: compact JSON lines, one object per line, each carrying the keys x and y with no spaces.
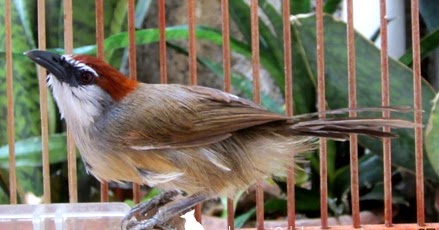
{"x":186,"y":116}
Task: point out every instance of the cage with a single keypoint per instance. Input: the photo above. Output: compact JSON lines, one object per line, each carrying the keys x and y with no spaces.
{"x":273,"y":42}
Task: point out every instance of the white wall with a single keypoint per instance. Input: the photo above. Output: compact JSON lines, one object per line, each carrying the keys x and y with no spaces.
{"x":367,"y":21}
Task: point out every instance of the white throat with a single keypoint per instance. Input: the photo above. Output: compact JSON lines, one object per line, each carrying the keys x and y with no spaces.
{"x":79,"y":106}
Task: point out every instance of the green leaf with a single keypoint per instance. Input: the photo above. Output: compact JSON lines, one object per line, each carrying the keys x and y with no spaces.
{"x":241,"y":219}
{"x":368,"y":83}
{"x":342,"y":180}
{"x":428,"y":10}
{"x":240,"y":14}
{"x":377,"y":193}
{"x":331,"y":6}
{"x":304,"y":74}
{"x":28,"y":151}
{"x":269,"y":45}
{"x":25,"y":82}
{"x":332,"y":161}
{"x":27,"y":14}
{"x":432,"y":136}
{"x":428,"y":44}
{"x":306,"y":200}
{"x":300,"y":6}
{"x":239,"y":82}
{"x":274,"y":39}
{"x":142,"y":9}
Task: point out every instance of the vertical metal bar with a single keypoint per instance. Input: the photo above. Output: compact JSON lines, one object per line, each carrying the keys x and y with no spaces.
{"x":99,"y":9}
{"x":132,"y":67}
{"x":355,"y":194}
{"x":321,"y":108}
{"x":227,"y":87}
{"x":162,"y":41}
{"x":230,"y":214}
{"x":71,"y":148}
{"x":385,"y":101}
{"x":132,"y":39}
{"x":226,"y":44}
{"x":191,"y":6}
{"x":43,"y":103}
{"x":255,"y":50}
{"x":289,"y":108}
{"x":10,"y":109}
{"x":254,"y":18}
{"x":192,"y":43}
{"x":418,"y":112}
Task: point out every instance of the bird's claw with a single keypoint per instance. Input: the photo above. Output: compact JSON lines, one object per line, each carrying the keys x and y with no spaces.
{"x":140,"y":210}
{"x":148,"y":224}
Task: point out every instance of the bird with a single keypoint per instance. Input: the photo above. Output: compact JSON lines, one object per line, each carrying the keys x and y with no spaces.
{"x":197,"y":140}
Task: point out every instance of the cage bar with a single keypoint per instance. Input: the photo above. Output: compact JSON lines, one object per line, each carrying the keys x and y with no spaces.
{"x":43,"y":103}
{"x":191,"y":6}
{"x":353,"y":145}
{"x":132,"y":66}
{"x":254,"y":24}
{"x":100,"y":53}
{"x":322,"y":108}
{"x":162,"y":41}
{"x":385,"y":101}
{"x":288,"y":71}
{"x":71,"y":148}
{"x":10,"y":99}
{"x":417,"y":91}
{"x":225,"y":28}
{"x":192,"y":43}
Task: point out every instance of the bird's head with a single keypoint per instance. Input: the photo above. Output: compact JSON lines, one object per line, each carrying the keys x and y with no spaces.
{"x":83,"y":86}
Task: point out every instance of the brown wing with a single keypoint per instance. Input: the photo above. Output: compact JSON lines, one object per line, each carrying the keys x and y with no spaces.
{"x":174,"y":116}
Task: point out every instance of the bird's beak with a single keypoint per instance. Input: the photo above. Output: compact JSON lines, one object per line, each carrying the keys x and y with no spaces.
{"x":51,"y":61}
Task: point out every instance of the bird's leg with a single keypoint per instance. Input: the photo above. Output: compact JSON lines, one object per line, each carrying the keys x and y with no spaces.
{"x":166,"y":212}
{"x":142,"y":208}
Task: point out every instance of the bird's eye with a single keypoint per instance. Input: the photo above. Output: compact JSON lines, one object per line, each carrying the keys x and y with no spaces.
{"x":87,"y":77}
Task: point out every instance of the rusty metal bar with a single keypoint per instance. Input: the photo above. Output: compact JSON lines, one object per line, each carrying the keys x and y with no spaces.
{"x":418,"y":112}
{"x":254,"y":18}
{"x":10,"y":99}
{"x":71,"y":148}
{"x":226,"y":44}
{"x":192,"y":42}
{"x":321,"y":108}
{"x":162,"y":41}
{"x":99,"y":8}
{"x":132,"y":67}
{"x":43,"y":103}
{"x":291,"y":205}
{"x":227,"y":87}
{"x":191,"y":6}
{"x":255,"y":50}
{"x":385,"y":101}
{"x":353,"y":147}
{"x":132,"y":39}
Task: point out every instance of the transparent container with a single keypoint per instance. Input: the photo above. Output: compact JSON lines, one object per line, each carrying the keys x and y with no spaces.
{"x":63,"y":216}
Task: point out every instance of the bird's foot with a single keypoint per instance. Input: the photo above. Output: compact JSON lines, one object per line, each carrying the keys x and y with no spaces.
{"x":148,"y":224}
{"x":164,"y":214}
{"x":140,"y":210}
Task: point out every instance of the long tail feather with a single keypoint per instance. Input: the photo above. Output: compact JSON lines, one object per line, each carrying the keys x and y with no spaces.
{"x":341,"y":128}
